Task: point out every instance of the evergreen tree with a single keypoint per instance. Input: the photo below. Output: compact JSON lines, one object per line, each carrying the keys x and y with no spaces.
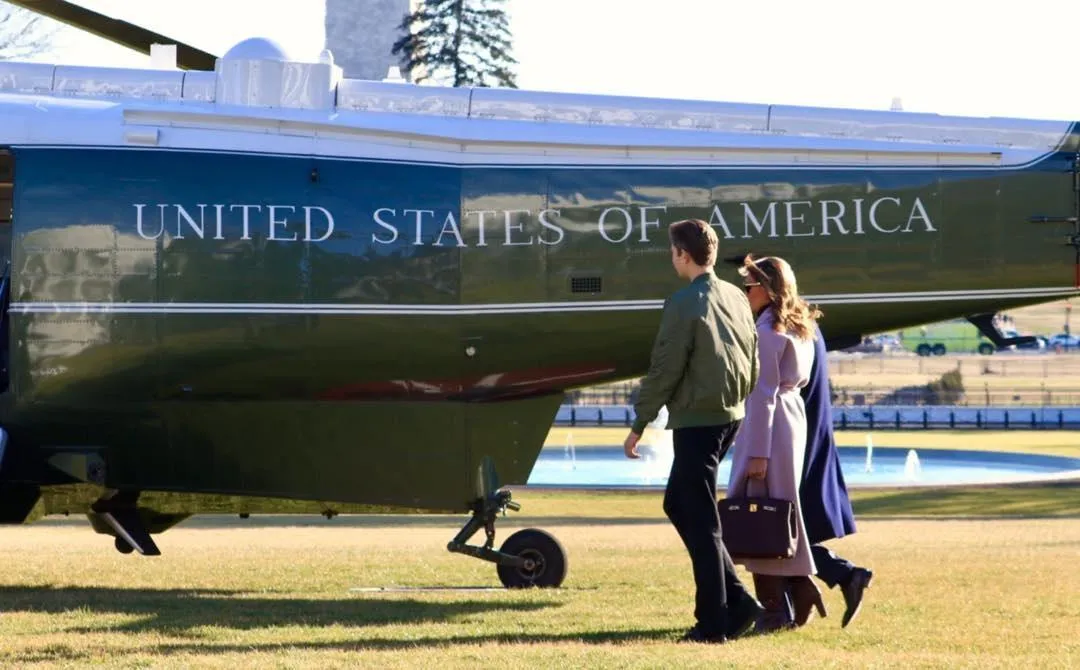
{"x":465,"y":42}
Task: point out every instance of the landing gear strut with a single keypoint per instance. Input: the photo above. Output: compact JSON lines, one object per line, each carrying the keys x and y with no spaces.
{"x":118,"y":514}
{"x":529,"y":557}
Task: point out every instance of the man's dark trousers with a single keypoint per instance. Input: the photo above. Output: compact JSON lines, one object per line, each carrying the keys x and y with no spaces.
{"x":831,"y":569}
{"x":690,"y":504}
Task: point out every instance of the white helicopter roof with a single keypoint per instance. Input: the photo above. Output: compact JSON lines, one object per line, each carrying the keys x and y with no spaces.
{"x":258,"y":81}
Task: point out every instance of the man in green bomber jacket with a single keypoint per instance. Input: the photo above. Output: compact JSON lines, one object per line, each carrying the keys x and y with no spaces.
{"x":703,"y":366}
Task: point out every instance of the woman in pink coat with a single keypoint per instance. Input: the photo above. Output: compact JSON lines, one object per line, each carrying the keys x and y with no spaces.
{"x":769,"y":448}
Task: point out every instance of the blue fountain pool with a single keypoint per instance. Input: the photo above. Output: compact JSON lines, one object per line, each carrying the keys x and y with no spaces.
{"x":608,"y":467}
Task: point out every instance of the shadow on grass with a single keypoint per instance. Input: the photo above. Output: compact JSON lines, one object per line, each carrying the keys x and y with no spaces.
{"x":600,"y":637}
{"x":65,"y":652}
{"x":452,"y":524}
{"x":1050,"y":501}
{"x":179,"y":611}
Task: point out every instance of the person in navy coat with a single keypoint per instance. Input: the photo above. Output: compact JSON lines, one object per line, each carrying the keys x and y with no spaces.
{"x":823,"y":494}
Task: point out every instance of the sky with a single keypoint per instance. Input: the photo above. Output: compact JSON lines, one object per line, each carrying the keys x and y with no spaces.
{"x":939,"y":56}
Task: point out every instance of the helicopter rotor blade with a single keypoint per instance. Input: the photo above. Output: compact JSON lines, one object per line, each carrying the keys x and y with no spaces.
{"x":121,"y":32}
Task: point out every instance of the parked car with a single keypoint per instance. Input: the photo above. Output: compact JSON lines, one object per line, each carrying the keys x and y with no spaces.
{"x":876,"y":344}
{"x":1063,"y":341}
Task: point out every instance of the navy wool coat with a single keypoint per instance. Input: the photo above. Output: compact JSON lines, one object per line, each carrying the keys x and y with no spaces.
{"x":823,"y":495}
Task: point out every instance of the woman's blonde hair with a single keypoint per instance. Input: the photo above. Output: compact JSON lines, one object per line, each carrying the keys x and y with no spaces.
{"x":793,"y":314}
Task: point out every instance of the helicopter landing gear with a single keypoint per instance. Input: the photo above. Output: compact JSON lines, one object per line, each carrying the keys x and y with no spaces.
{"x":529,"y":557}
{"x":118,"y":514}
{"x":543,"y":560}
{"x":122,"y":546}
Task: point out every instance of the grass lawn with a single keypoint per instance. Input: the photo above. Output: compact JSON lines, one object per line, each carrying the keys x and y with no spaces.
{"x":993,"y":591}
{"x":972,"y":577}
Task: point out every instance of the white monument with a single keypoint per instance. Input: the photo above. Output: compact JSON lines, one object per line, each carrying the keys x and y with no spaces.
{"x":360,"y":34}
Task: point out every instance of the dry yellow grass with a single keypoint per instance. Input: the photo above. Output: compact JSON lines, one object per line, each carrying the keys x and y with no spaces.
{"x":1048,"y":319}
{"x":999,"y":372}
{"x":237,"y":594}
{"x":1009,"y":372}
{"x":1049,"y":442}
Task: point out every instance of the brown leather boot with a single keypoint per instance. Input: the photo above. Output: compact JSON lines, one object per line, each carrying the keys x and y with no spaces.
{"x":805,"y":596}
{"x":770,"y":593}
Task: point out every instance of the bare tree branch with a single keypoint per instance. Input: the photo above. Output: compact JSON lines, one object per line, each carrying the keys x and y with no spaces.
{"x":23,"y":33}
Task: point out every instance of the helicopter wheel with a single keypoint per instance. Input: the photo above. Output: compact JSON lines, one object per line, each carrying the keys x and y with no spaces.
{"x":122,"y":546}
{"x":545,"y":560}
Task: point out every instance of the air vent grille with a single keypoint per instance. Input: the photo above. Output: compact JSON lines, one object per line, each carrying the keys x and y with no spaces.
{"x":585,"y":285}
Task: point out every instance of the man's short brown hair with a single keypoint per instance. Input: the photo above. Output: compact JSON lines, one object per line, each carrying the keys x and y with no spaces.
{"x":696,"y":238}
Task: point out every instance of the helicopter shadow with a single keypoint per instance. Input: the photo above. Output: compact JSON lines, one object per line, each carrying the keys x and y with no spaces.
{"x":185,"y":613}
{"x":179,"y":612}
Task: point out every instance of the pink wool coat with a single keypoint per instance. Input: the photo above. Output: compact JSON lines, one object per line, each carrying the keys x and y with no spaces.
{"x":775,"y":428}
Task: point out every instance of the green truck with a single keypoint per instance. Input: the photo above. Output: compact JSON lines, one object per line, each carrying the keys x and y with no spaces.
{"x":956,"y":336}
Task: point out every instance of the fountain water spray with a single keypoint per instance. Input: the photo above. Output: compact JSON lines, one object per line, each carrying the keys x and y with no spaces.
{"x":658,"y":451}
{"x":569,"y":451}
{"x":912,"y":466}
{"x":869,"y":453}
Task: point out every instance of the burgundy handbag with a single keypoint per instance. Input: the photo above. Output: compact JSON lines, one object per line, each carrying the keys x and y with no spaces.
{"x":758,"y":527}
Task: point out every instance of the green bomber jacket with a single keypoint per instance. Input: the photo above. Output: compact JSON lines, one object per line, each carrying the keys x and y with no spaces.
{"x":704,"y":361}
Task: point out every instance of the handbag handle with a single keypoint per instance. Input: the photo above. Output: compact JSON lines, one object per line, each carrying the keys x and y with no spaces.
{"x":764,"y":480}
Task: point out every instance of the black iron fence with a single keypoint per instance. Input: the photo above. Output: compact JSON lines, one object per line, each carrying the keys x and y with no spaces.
{"x":984,"y":396}
{"x":611,"y":394}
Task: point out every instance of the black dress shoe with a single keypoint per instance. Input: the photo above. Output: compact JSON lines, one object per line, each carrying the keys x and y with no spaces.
{"x":695,"y":635}
{"x":743,"y":615}
{"x":853,"y":593}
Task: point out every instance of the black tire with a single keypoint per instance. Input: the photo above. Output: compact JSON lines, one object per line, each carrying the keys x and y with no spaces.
{"x":939,"y":349}
{"x":923,"y":350}
{"x":122,"y":546}
{"x":548,"y":556}
{"x":986,"y":349}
